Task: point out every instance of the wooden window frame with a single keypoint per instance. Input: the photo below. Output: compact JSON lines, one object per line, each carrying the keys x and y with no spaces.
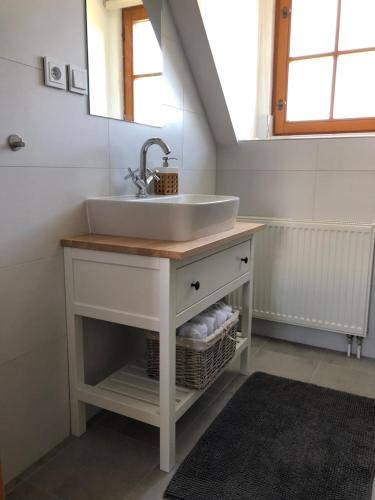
{"x":130,"y":16}
{"x":280,"y":83}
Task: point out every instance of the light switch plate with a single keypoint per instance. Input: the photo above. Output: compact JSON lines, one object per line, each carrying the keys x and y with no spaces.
{"x":54,"y":73}
{"x":77,"y":79}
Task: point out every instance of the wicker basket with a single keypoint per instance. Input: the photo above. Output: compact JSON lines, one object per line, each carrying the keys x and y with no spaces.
{"x":168,"y":184}
{"x":197,"y":361}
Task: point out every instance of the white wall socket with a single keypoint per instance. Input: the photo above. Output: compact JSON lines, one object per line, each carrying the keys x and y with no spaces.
{"x":54,"y":73}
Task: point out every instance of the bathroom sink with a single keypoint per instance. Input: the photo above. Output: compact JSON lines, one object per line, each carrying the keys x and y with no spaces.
{"x":177,"y":218}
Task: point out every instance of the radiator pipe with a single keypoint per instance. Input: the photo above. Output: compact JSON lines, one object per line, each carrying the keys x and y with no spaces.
{"x":359,"y":347}
{"x":349,"y":346}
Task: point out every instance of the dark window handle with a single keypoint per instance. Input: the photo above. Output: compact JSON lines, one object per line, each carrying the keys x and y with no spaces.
{"x":245,"y":259}
{"x":196,"y":285}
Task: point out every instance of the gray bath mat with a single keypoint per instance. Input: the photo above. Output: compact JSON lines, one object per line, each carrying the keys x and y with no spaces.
{"x":278,"y":439}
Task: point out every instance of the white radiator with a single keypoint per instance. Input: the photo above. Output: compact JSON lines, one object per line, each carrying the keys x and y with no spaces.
{"x":313,"y":274}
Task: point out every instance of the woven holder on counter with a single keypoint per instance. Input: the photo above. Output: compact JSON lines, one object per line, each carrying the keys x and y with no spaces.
{"x":168,"y":184}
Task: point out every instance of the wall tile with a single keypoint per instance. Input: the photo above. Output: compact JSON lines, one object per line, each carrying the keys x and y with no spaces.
{"x":34,"y":413}
{"x":55,"y":31}
{"x":126,"y":140}
{"x":270,"y":155}
{"x":54,"y":124}
{"x":270,"y":194}
{"x":32,"y":306}
{"x":190,"y":182}
{"x":108,"y":347}
{"x":173,"y":73}
{"x":118,"y":186}
{"x":345,"y":196}
{"x":347,"y":154}
{"x":40,"y":202}
{"x":199,"y":150}
{"x":300,"y":334}
{"x":192,"y":100}
{"x":228,"y":158}
{"x":172,"y":133}
{"x":198,"y":182}
{"x":39,"y":206}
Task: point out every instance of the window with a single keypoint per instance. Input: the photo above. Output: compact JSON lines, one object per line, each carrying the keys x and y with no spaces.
{"x":142,"y":68}
{"x":324,"y":67}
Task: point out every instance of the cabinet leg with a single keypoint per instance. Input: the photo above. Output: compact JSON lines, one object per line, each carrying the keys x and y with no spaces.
{"x":246,"y":329}
{"x":77,"y":417}
{"x":76,"y":375}
{"x":2,"y":494}
{"x":247,"y":310}
{"x":245,"y":367}
{"x":167,"y":401}
{"x":167,"y":368}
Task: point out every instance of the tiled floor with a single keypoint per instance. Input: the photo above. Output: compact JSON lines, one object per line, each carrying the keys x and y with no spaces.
{"x":117,"y":459}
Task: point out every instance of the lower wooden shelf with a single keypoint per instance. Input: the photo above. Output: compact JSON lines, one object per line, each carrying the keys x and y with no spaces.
{"x":130,"y":392}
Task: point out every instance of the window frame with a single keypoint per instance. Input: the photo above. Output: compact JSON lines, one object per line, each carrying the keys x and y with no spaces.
{"x":130,"y":16}
{"x":280,"y":82}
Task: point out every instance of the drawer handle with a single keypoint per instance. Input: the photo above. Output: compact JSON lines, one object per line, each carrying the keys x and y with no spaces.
{"x":245,"y":259}
{"x":196,"y":285}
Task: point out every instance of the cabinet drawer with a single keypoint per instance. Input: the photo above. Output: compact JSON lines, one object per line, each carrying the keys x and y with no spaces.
{"x":210,"y":274}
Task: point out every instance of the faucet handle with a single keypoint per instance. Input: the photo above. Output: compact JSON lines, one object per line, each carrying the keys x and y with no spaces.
{"x":132,"y":174}
{"x":166,"y":160}
{"x":153,"y":174}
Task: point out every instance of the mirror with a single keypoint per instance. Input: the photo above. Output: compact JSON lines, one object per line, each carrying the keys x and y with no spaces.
{"x":125,"y":63}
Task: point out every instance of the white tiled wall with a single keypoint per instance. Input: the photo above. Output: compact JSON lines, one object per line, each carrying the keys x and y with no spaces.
{"x":321,"y":179}
{"x":69,"y":156}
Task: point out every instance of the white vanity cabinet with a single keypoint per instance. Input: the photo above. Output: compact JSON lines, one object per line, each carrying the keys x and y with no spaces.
{"x":157,"y":286}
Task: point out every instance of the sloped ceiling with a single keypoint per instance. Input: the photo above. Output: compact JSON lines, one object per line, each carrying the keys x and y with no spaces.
{"x":189,"y":24}
{"x":153,"y":8}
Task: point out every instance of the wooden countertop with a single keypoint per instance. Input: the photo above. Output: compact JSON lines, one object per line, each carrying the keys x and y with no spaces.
{"x":174,"y":250}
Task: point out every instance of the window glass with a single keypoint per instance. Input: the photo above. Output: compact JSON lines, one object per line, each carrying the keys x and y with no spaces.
{"x":313,"y":27}
{"x":355,"y":84}
{"x":309,"y":89}
{"x":147,"y":102}
{"x":147,"y":56}
{"x":357,"y":24}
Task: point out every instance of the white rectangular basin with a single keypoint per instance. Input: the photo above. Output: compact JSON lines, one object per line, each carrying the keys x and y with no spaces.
{"x":178,"y":218}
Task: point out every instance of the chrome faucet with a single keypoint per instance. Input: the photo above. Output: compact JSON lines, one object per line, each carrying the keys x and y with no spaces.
{"x":143,"y":176}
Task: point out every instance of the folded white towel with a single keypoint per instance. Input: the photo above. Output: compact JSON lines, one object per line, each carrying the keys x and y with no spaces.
{"x":221,"y":317}
{"x":192,"y":330}
{"x":222,"y":306}
{"x":201,"y":327}
{"x":211,"y":314}
{"x":205,"y":323}
{"x":205,"y":319}
{"x":228,"y":311}
{"x":184,"y":330}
